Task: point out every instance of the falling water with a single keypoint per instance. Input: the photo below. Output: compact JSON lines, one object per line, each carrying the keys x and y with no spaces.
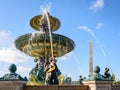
{"x":77,"y":62}
{"x":37,"y":33}
{"x":85,"y":28}
{"x":45,"y":15}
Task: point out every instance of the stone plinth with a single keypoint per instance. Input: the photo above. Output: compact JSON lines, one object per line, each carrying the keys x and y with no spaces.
{"x":11,"y":85}
{"x":116,"y":87}
{"x":99,"y":85}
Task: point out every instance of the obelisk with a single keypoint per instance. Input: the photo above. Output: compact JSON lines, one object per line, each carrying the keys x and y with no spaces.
{"x":90,"y":59}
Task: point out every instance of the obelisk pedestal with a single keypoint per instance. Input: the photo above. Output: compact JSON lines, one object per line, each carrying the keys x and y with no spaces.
{"x":98,"y":85}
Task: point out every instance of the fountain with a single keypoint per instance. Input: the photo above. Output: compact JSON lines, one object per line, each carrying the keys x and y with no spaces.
{"x":44,"y":46}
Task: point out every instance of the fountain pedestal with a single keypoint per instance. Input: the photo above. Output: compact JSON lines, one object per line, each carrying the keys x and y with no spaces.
{"x":12,"y":85}
{"x":56,"y":87}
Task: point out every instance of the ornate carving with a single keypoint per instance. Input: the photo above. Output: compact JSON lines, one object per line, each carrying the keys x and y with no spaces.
{"x":37,"y":47}
{"x":36,"y":22}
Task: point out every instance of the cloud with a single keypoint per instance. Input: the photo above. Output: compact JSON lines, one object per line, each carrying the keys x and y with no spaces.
{"x":85,"y":28}
{"x":5,"y":36}
{"x":8,"y":53}
{"x":97,"y":5}
{"x":66,"y":57}
{"x":99,"y":26}
{"x":11,"y":55}
{"x":23,"y":69}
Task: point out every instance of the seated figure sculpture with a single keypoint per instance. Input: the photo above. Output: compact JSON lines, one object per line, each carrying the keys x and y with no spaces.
{"x":96,"y":75}
{"x":12,"y":75}
{"x":107,"y":74}
{"x":36,"y":75}
{"x":45,"y":72}
{"x":51,"y":73}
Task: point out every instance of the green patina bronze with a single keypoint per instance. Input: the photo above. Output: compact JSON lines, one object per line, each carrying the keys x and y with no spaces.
{"x":12,"y":75}
{"x":97,"y":76}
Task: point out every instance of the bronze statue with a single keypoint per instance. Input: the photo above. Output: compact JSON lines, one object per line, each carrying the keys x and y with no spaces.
{"x":107,"y":74}
{"x":51,"y":73}
{"x":38,"y":72}
{"x":12,"y":75}
{"x":97,"y":76}
{"x":80,"y":79}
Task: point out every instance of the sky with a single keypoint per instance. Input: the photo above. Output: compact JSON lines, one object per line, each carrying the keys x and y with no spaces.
{"x":81,"y":21}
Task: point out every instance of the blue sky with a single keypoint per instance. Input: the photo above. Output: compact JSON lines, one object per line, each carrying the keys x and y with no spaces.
{"x":81,"y":20}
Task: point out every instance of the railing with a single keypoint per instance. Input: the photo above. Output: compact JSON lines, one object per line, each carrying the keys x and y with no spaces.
{"x":57,"y":87}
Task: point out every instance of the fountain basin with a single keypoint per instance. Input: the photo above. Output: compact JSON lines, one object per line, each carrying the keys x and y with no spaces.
{"x":37,"y":20}
{"x":39,"y":45}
